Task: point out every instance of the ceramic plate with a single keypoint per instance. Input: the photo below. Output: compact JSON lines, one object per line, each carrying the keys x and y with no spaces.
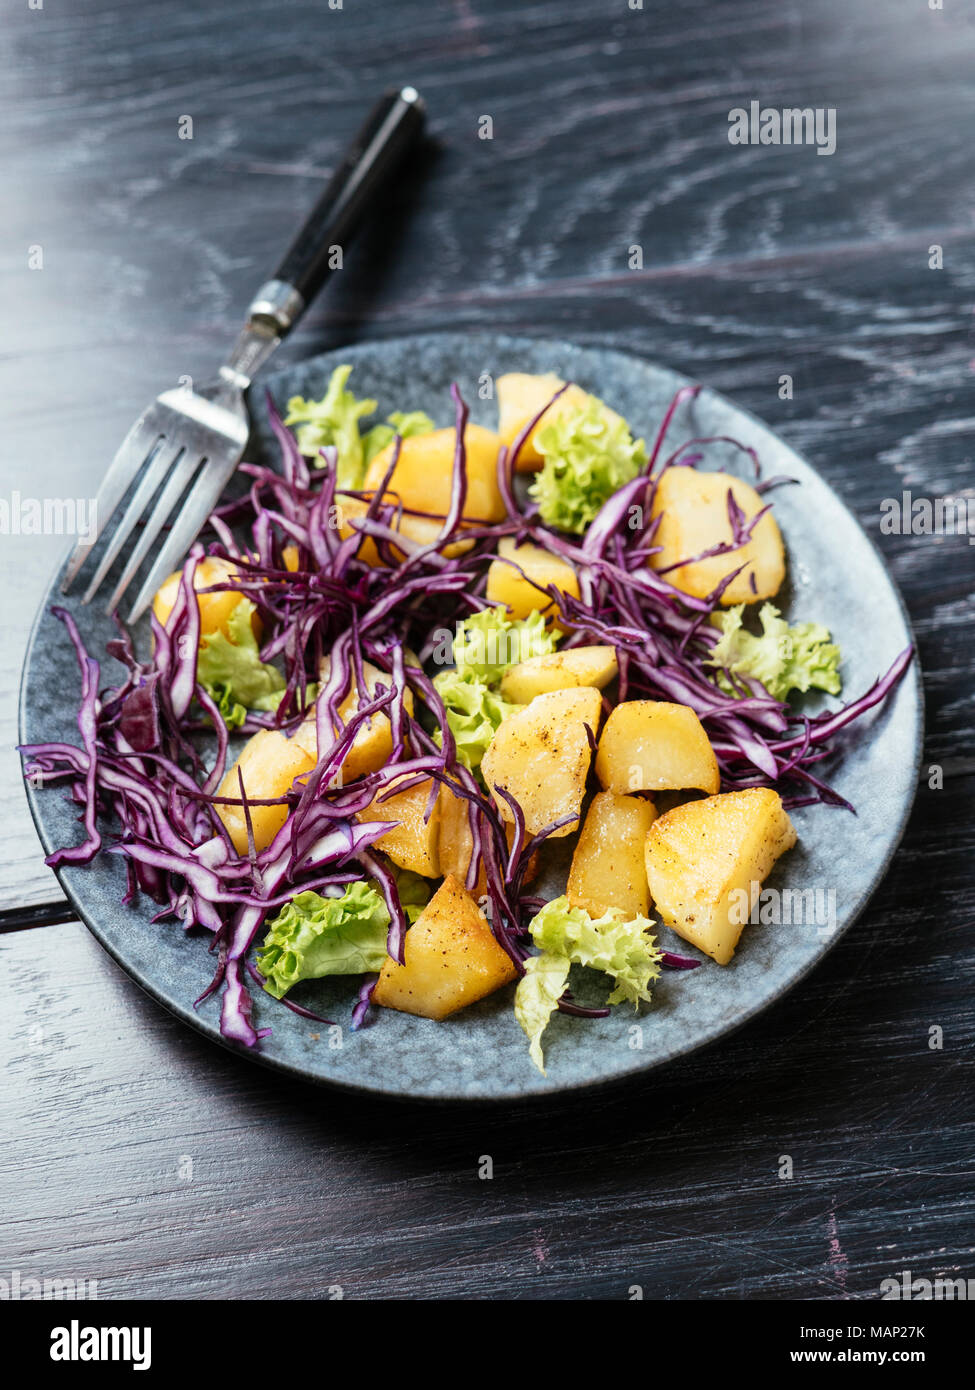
{"x":835,"y":577}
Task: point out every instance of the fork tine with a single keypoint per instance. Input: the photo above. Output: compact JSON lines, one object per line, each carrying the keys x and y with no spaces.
{"x":176,"y":484}
{"x":152,"y":476}
{"x":135,"y":450}
{"x":199,"y":504}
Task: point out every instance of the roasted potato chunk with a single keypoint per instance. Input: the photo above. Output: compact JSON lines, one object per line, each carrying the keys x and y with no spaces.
{"x":451,"y":958}
{"x":693,"y":511}
{"x":592,"y":666}
{"x":456,"y":844}
{"x":540,"y":755}
{"x":373,"y":744}
{"x":424,"y":472}
{"x":706,"y":861}
{"x":216,"y":608}
{"x":520,"y":397}
{"x":420,"y":530}
{"x":608,"y":869}
{"x":523,"y":592}
{"x":414,"y":843}
{"x":269,"y":763}
{"x":650,"y":745}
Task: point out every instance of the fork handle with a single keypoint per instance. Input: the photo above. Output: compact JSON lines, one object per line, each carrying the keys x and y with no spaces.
{"x":357,"y":186}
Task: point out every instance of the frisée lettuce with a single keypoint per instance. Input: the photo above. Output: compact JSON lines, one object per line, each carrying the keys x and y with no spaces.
{"x":588,"y":455}
{"x":333,"y":421}
{"x":783,"y":658}
{"x":537,"y":997}
{"x":489,"y":643}
{"x":473,"y":711}
{"x":485,"y":646}
{"x":619,"y":947}
{"x":404,"y":423}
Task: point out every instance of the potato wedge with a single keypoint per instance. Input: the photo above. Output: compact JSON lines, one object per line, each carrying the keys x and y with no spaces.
{"x":541,"y":754}
{"x":269,"y":763}
{"x":414,"y":844}
{"x":706,"y":861}
{"x":523,"y":592}
{"x":216,"y":608}
{"x":451,"y":959}
{"x":593,"y":666}
{"x":373,"y":743}
{"x":456,"y":844}
{"x":693,"y":511}
{"x":421,"y":530}
{"x":423,"y":476}
{"x":520,"y":398}
{"x":650,"y":745}
{"x":608,"y":868}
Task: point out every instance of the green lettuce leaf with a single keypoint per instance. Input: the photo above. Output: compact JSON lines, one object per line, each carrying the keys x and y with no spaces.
{"x":334,"y":420}
{"x":231,"y":671}
{"x":312,"y":936}
{"x":783,"y":658}
{"x":490,"y":642}
{"x":474,"y":712}
{"x":414,"y":890}
{"x":485,"y":646}
{"x":588,"y":455}
{"x":537,"y":996}
{"x":619,"y":947}
{"x":403,"y":423}
{"x":233,"y":714}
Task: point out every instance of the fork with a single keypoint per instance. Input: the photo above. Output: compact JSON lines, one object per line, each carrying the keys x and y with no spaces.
{"x":193,"y":437}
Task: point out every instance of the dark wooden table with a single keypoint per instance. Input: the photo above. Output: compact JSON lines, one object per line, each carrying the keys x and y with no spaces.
{"x":134,"y":1152}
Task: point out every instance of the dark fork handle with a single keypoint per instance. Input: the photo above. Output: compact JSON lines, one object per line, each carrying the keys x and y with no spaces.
{"x":358,"y":184}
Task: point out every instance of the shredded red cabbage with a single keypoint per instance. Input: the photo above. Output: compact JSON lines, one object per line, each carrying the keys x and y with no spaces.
{"x":139,"y":775}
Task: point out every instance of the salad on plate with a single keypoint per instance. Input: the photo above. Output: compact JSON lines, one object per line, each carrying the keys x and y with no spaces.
{"x":420,"y":669}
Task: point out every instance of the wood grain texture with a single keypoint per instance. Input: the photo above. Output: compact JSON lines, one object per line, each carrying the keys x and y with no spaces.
{"x":610,"y":131}
{"x":672,"y":1185}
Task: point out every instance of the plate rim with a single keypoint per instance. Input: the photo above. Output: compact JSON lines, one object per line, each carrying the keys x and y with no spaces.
{"x":554,"y":1089}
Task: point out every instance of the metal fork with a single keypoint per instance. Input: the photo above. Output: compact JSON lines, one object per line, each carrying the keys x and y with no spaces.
{"x":194,"y":437}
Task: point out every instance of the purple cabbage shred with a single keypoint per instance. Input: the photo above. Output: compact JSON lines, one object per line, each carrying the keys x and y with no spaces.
{"x":138,"y":774}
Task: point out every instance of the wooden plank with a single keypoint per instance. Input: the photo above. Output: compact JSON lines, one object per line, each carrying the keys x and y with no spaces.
{"x":672,"y":1185}
{"x":610,"y":130}
{"x":884,"y":401}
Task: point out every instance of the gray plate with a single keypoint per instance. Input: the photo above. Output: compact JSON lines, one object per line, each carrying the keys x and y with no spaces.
{"x":835,"y":576}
